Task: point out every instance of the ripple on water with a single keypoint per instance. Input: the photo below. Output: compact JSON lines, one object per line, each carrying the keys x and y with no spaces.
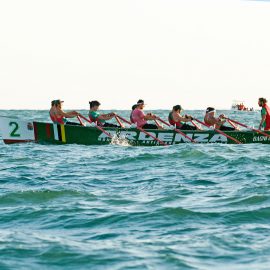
{"x":112,"y":207}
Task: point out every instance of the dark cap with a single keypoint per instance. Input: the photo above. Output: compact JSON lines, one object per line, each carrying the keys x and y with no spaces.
{"x":210,"y":109}
{"x":140,"y":102}
{"x":58,"y":101}
{"x":94,"y":103}
{"x":177,"y":107}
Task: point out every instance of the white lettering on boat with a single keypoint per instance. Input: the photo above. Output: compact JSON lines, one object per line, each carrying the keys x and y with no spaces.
{"x":145,"y":137}
{"x":201,"y":138}
{"x":218,"y":138}
{"x":166,"y":137}
{"x":130,"y":135}
{"x":181,"y":138}
{"x":170,"y":137}
{"x":260,"y":139}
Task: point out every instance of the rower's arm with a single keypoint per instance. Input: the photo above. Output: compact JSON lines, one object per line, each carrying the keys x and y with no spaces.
{"x":178,"y":118}
{"x":149,"y":117}
{"x":108,"y":116}
{"x":69,"y":114}
{"x":262,"y":121}
{"x":220,"y":121}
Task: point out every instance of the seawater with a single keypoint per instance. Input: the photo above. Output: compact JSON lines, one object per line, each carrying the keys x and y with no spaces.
{"x":121,"y":207}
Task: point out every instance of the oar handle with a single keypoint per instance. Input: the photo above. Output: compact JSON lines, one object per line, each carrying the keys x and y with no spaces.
{"x":219,"y":131}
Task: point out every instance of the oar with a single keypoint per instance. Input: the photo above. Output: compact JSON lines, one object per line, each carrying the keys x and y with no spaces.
{"x":97,"y":126}
{"x":158,"y":125}
{"x":232,"y":124}
{"x":219,"y":131}
{"x":177,"y":130}
{"x":80,"y":120}
{"x":144,"y":131}
{"x":119,"y":122}
{"x":194,"y":124}
{"x":254,"y":129}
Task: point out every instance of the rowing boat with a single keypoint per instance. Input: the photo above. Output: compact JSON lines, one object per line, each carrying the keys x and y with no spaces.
{"x":18,"y":131}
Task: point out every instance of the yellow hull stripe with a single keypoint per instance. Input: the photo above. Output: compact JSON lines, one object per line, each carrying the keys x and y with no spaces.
{"x":63,"y":133}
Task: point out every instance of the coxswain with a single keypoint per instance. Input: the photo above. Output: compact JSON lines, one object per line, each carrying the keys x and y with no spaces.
{"x":180,"y":122}
{"x":216,"y":122}
{"x":100,"y":119}
{"x":265,"y":113}
{"x":140,"y":118}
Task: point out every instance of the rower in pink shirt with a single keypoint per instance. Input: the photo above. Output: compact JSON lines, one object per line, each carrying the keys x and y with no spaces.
{"x":140,"y":118}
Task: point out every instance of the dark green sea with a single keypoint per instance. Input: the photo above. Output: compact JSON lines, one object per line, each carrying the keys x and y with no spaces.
{"x":122,"y":207}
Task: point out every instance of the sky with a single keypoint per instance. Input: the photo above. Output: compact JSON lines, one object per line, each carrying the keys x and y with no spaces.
{"x":191,"y":52}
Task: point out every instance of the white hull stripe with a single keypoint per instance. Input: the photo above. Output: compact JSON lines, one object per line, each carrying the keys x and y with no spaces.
{"x":55,"y":131}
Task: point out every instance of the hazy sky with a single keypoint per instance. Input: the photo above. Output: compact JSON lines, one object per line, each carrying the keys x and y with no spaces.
{"x":192,"y":52}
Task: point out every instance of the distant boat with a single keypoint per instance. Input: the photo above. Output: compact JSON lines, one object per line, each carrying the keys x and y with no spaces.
{"x":239,"y":105}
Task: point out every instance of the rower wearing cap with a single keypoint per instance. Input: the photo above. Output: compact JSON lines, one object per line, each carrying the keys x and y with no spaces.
{"x":59,"y":116}
{"x":216,"y":122}
{"x":140,"y":118}
{"x":265,"y":112}
{"x":179,"y":121}
{"x":100,"y":119}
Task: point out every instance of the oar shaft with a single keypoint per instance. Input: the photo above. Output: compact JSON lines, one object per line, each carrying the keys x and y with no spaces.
{"x":124,"y":120}
{"x":80,"y":120}
{"x":232,"y":124}
{"x":254,"y":129}
{"x":119,"y":122}
{"x":97,"y":126}
{"x":177,"y":130}
{"x":194,"y":124}
{"x":219,"y":131}
{"x":142,"y":130}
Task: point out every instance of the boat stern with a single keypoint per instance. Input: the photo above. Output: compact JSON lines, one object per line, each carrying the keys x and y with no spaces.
{"x":14,"y":130}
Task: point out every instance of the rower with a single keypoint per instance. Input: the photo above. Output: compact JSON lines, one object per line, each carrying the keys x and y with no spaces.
{"x":60,"y":117}
{"x":52,"y":111}
{"x":140,"y":118}
{"x":132,"y":109}
{"x":179,"y":121}
{"x":265,"y":113}
{"x":216,"y":122}
{"x":100,"y":119}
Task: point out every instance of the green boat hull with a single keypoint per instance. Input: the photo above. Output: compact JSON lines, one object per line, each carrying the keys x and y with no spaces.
{"x":68,"y":134}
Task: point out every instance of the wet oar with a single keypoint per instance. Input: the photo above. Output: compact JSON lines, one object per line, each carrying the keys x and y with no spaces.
{"x":219,"y":131}
{"x":177,"y":130}
{"x":144,"y":131}
{"x":97,"y":126}
{"x":243,"y":125}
